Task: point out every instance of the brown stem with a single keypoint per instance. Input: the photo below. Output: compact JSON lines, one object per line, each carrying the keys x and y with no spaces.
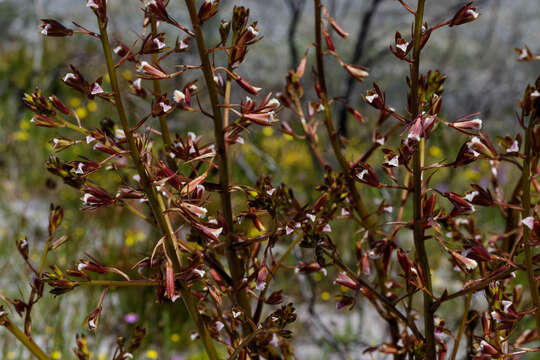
{"x":368,"y":220}
{"x":154,"y":200}
{"x":236,"y":264}
{"x":418,"y":163}
{"x":526,"y":205}
{"x":157,"y":93}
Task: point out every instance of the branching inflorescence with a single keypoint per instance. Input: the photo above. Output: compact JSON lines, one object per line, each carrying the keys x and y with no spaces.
{"x":221,"y":273}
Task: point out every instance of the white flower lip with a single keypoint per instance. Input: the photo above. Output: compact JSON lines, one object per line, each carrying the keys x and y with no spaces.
{"x":179,"y":96}
{"x":403,"y":47}
{"x":160,"y":44}
{"x":45,"y":30}
{"x":69,"y":76}
{"x":96,"y":89}
{"x":370,"y":98}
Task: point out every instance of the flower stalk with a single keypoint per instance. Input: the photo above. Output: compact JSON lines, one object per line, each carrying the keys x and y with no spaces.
{"x":23,"y":338}
{"x":235,"y":263}
{"x":526,"y":212}
{"x":155,"y":201}
{"x":418,"y":164}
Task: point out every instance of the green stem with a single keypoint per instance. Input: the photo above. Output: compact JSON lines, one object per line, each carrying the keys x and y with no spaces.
{"x":235,"y":263}
{"x":418,"y":162}
{"x":25,"y":340}
{"x":155,"y":201}
{"x":120,"y":283}
{"x":368,"y":220}
{"x":462,"y":325}
{"x":526,"y":212}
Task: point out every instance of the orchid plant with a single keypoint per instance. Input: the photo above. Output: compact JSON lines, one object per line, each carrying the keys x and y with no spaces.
{"x":181,"y":185}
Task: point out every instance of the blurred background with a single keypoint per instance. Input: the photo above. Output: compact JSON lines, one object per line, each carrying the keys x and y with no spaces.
{"x":483,"y":76}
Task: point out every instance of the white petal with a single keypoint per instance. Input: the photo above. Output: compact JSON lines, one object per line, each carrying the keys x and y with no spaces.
{"x":69,"y":76}
{"x":528,"y":222}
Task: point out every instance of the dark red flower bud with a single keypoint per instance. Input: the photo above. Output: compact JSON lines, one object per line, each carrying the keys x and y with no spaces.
{"x":208,"y":9}
{"x":50,"y":27}
{"x":59,"y":105}
{"x":344,"y":280}
{"x":464,"y":15}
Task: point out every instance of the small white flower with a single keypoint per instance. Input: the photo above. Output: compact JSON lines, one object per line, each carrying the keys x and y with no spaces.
{"x":160,"y":44}
{"x":261,"y":286}
{"x":275,"y":340}
{"x":380,"y":141}
{"x":506,"y":305}
{"x":92,"y":324}
{"x":69,"y":76}
{"x":81,"y":266}
{"x":394,"y":162}
{"x":219,"y":326}
{"x":193,"y":87}
{"x":183,"y":45}
{"x":137,"y":84}
{"x":199,"y":272}
{"x":514,"y":147}
{"x":473,"y":13}
{"x":194,"y":335}
{"x":414,"y":137}
{"x":470,"y":196}
{"x":92,"y":4}
{"x":179,"y":96}
{"x":535,"y":94}
{"x":528,"y":222}
{"x":403,"y":47}
{"x":96,"y":89}
{"x":270,"y":192}
{"x":172,"y":155}
{"x":325,"y":273}
{"x":320,"y":108}
{"x":477,"y":124}
{"x":361,"y":174}
{"x":80,"y":168}
{"x":253,"y":31}
{"x":117,"y":49}
{"x":345,"y":212}
{"x":311,"y":217}
{"x":327,"y":228}
{"x":119,"y":134}
{"x":89,"y":139}
{"x":127,"y":356}
{"x":165,"y":106}
{"x":137,"y":178}
{"x":388,"y":209}
{"x":240,"y":140}
{"x":274,"y":103}
{"x":46,"y":29}
{"x":236,"y":314}
{"x":86,"y":197}
{"x":288,"y":230}
{"x":370,"y":98}
{"x":216,"y":232}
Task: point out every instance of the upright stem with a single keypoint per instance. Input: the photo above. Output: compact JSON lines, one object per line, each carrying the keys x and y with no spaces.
{"x":25,"y":340}
{"x":418,"y":163}
{"x":526,"y":212}
{"x":157,"y":93}
{"x":155,"y":201}
{"x":236,"y":264}
{"x":462,"y":325}
{"x":368,"y":220}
